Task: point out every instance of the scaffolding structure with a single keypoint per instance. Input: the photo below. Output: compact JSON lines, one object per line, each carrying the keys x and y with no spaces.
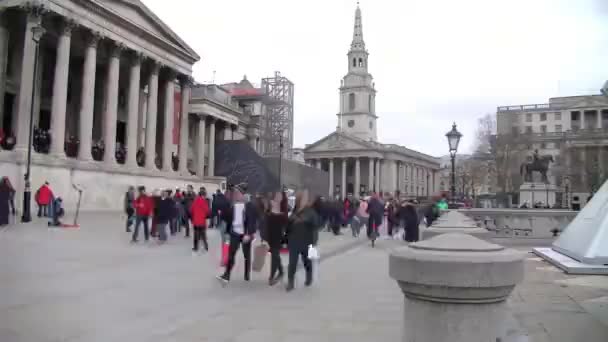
{"x":278,"y":126}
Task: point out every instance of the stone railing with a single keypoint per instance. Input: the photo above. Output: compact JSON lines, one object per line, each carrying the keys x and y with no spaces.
{"x":526,"y":223}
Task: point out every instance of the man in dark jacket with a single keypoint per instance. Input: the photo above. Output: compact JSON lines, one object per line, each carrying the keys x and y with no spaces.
{"x":187,"y":203}
{"x":375,"y":209}
{"x":165,"y":212}
{"x":241,"y":219}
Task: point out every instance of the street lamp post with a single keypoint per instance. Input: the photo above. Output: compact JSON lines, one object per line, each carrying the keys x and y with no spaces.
{"x":37,"y":32}
{"x":453,"y":141}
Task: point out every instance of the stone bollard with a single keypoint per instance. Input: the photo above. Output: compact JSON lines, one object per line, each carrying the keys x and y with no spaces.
{"x":455,"y":222}
{"x":455,"y":287}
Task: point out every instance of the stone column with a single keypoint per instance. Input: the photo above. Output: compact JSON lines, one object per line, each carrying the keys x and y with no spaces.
{"x":109,"y":125}
{"x":151,"y":117}
{"x":60,"y":90}
{"x":343,"y":186}
{"x":370,"y":175}
{"x":141,"y":116}
{"x":319,"y":163}
{"x":168,"y":121}
{"x":4,"y":37}
{"x":331,"y":178}
{"x":599,"y":119}
{"x":133,"y":111}
{"x":26,"y":82}
{"x":584,"y":169}
{"x":377,"y":186}
{"x":211,"y":165}
{"x":441,"y":303}
{"x":186,"y":83}
{"x":200,"y":148}
{"x":357,"y":191}
{"x":87,"y":100}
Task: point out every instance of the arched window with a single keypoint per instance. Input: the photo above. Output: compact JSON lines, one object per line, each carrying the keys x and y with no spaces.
{"x":369,"y":103}
{"x":360,"y":62}
{"x":351,"y":101}
{"x":354,"y":62}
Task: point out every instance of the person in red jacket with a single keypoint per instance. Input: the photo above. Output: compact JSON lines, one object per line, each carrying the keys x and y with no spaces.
{"x":143,"y":211}
{"x":199,"y":212}
{"x":45,"y":196}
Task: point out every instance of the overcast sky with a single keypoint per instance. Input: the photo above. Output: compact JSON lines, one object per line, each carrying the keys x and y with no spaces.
{"x":433,"y":61}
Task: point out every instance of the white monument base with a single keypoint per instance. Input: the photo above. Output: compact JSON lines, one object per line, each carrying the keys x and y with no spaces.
{"x":537,"y":192}
{"x":569,"y":265}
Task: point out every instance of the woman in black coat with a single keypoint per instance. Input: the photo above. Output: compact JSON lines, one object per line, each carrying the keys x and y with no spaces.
{"x":410,"y":217}
{"x":275,"y":235}
{"x":6,"y":192}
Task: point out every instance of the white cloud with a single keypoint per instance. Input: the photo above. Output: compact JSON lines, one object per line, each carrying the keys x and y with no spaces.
{"x":434,"y":61}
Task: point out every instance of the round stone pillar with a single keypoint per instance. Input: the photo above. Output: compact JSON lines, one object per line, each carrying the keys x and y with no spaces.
{"x":455,"y":286}
{"x":454,"y":222}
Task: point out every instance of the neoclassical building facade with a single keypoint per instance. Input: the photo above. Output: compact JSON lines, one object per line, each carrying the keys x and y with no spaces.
{"x":111,"y":83}
{"x":357,"y":163}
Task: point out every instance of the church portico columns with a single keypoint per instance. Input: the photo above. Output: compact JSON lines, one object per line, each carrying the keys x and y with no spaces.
{"x":377,"y":184}
{"x":343,"y":179}
{"x":151,"y":116}
{"x":133,"y":110}
{"x":370,"y":175}
{"x":357,"y":190}
{"x":169,"y":88}
{"x":87,"y":101}
{"x":331,"y":178}
{"x":111,"y":101}
{"x":60,"y":90}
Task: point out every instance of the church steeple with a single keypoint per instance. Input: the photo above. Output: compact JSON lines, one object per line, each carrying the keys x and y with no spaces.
{"x":357,"y":92}
{"x":358,"y":43}
{"x":357,"y":55}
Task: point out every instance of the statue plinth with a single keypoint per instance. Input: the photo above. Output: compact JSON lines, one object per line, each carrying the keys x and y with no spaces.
{"x":534,"y":192}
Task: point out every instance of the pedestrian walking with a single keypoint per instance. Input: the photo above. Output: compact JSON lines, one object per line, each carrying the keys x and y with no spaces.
{"x":164,"y":211}
{"x":6,"y":192}
{"x":199,"y":213}
{"x":302,"y":232}
{"x":410,"y":219}
{"x":241,"y":226}
{"x":277,"y":220}
{"x":129,"y":207}
{"x":143,"y":211}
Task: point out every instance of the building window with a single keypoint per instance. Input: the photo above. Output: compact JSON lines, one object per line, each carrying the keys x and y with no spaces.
{"x":351,"y":101}
{"x":354,"y":62}
{"x":543,"y":116}
{"x":515,"y":130}
{"x":558,"y":128}
{"x":528,"y":129}
{"x":351,"y":123}
{"x":558,"y":116}
{"x":371,"y":125}
{"x":360,"y":62}
{"x":543,"y":128}
{"x":369,"y":103}
{"x":528,"y":117}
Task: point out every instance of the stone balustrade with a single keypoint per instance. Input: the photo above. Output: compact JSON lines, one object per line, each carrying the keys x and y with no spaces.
{"x":521,"y":223}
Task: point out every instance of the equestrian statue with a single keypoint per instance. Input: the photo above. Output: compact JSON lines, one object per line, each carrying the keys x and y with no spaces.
{"x":537,"y":163}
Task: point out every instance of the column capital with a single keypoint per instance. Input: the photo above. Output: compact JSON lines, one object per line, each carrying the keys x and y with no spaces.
{"x":116,"y":49}
{"x":170,"y":72}
{"x":66,"y":27}
{"x":137,"y":57}
{"x":185,"y":80}
{"x":155,"y":66}
{"x":93,"y":39}
{"x":34,"y":8}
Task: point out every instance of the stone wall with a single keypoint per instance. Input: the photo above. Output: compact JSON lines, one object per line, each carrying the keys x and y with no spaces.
{"x":103,"y":189}
{"x":299,"y":176}
{"x":526,"y":223}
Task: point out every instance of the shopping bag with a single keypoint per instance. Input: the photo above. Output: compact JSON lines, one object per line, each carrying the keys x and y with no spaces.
{"x":315,"y":258}
{"x":225,"y":252}
{"x":259,"y":257}
{"x":313,"y":253}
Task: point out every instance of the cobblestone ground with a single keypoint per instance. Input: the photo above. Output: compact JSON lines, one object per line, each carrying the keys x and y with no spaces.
{"x":92,"y":285}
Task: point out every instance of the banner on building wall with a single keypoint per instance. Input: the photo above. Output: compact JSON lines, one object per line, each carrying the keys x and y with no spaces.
{"x":177,"y":109}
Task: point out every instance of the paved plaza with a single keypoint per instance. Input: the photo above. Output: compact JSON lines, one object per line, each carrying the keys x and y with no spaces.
{"x":93,"y":285}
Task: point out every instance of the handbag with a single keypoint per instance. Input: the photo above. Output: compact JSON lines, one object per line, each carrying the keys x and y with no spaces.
{"x":259,"y":257}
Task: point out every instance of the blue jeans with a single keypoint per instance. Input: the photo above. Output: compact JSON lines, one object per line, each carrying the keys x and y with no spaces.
{"x":138,"y":220}
{"x":161,"y":229}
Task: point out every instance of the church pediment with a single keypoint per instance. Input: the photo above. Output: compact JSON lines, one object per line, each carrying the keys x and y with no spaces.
{"x":335,"y":142}
{"x":137,"y":13}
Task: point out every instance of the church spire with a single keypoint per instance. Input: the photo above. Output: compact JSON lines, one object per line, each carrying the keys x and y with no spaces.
{"x":358,"y":43}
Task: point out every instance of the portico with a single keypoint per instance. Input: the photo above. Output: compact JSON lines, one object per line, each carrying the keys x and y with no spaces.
{"x":113,"y":91}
